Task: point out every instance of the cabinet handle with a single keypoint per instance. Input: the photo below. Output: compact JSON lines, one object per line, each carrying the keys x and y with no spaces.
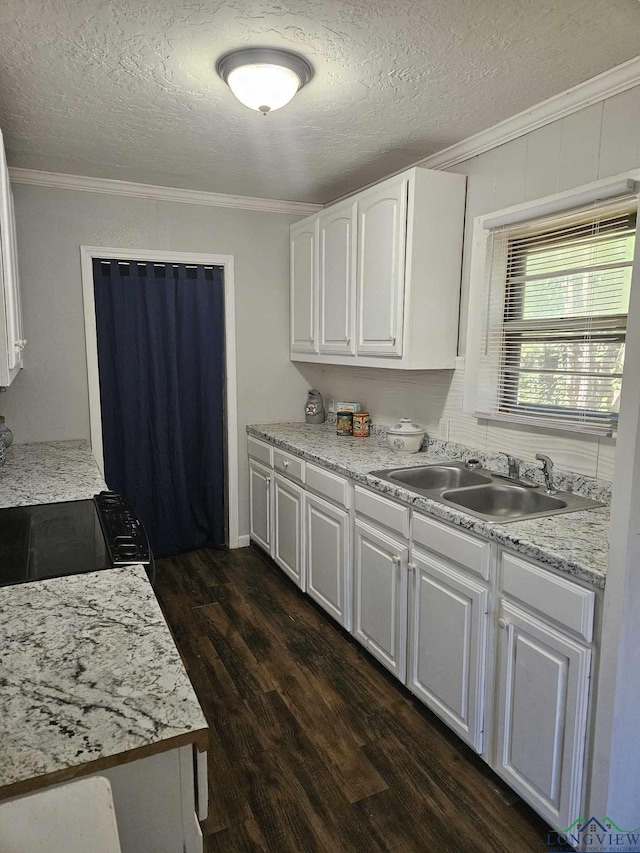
{"x":395,"y":560}
{"x":285,"y":464}
{"x":267,"y":480}
{"x":21,"y":344}
{"x":502,"y":623}
{"x":348,"y":341}
{"x":411,"y":567}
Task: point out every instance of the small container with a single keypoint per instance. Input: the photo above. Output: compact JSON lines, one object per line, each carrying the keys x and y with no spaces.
{"x":405,"y":436}
{"x":348,"y":407}
{"x":344,"y":423}
{"x":361,"y":424}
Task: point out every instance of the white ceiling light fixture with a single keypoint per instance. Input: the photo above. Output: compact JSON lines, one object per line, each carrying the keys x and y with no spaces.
{"x":264,"y":78}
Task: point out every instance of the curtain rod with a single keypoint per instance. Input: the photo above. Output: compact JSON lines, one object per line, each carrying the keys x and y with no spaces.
{"x":144,"y":264}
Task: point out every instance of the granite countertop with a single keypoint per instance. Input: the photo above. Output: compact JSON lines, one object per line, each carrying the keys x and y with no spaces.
{"x":574,"y":543}
{"x":49,"y":472}
{"x":90,"y":678}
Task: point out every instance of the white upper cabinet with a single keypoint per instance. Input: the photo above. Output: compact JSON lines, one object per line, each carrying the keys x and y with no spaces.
{"x":336,"y":278}
{"x":384,"y":270}
{"x":12,"y":341}
{"x":382,"y":231}
{"x":304,"y":286}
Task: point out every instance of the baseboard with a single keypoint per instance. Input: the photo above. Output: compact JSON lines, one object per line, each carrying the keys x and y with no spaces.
{"x":244,"y":541}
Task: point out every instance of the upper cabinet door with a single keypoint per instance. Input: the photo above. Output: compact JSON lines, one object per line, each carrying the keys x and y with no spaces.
{"x":11,"y":341}
{"x":337,"y":278}
{"x":382,"y":228}
{"x":304,"y":291}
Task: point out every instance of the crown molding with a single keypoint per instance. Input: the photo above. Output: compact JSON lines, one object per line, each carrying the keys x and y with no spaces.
{"x":183,"y":196}
{"x":592,"y":91}
{"x":605,"y":85}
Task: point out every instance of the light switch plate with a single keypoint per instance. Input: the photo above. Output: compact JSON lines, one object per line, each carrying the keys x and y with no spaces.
{"x":444,"y":429}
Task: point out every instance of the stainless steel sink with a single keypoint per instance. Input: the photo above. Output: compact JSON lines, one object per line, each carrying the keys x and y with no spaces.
{"x":429,"y":477}
{"x":482,"y":493}
{"x":500,"y":502}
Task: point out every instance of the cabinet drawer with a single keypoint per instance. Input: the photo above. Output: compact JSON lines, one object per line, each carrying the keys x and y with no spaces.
{"x":260,"y":450}
{"x":331,"y":486}
{"x":392,"y":515}
{"x":472,"y":553}
{"x":289,"y":465}
{"x":559,"y":599}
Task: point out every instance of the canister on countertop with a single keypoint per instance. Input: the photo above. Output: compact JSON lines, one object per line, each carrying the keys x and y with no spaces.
{"x":344,"y":423}
{"x":361,"y":424}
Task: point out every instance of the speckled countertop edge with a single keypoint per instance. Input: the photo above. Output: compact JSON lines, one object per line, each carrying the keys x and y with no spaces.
{"x":575,"y":544}
{"x":89,"y":671}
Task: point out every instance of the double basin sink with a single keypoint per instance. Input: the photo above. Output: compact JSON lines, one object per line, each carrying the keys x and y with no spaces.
{"x":484,"y":494}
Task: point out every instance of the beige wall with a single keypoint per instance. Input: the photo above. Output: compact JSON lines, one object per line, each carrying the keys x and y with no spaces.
{"x":597,"y":142}
{"x":49,"y":399}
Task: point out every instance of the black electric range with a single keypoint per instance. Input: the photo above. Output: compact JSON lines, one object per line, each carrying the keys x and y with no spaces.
{"x":70,"y":538}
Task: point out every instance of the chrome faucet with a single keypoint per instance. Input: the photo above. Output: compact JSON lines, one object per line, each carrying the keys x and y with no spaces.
{"x":514,"y":467}
{"x":547,"y":471}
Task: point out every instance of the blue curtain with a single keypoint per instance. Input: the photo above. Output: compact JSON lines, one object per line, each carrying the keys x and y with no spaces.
{"x":161,"y":359}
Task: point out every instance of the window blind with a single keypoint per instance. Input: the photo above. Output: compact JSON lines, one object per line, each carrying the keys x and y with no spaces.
{"x":555,"y":316}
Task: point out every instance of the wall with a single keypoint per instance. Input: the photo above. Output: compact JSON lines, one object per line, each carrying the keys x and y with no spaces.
{"x":48,"y":400}
{"x":596,"y":142}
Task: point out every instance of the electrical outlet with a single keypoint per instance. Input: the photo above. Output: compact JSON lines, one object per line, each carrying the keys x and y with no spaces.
{"x":330,"y":404}
{"x":444,"y":429}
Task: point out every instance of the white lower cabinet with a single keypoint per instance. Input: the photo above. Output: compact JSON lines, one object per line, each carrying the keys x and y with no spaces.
{"x":380,"y":596}
{"x":260,"y":504}
{"x":543,"y":690}
{"x":288,"y":528}
{"x":327,"y":553}
{"x":516,"y":692}
{"x":448,"y":616}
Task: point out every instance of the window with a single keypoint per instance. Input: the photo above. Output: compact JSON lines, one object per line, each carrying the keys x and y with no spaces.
{"x":555,"y":316}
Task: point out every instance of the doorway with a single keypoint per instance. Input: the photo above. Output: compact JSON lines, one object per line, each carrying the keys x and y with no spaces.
{"x":207,"y":278}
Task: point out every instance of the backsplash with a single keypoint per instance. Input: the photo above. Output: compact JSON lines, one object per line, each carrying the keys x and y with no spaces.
{"x":431,"y":396}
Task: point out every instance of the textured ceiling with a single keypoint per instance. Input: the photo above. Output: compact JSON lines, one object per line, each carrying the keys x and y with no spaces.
{"x":127,"y":88}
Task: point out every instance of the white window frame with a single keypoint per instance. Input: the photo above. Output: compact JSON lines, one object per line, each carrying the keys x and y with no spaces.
{"x":529,"y":210}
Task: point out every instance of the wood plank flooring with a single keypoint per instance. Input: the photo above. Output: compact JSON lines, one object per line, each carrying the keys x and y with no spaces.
{"x":313,"y":746}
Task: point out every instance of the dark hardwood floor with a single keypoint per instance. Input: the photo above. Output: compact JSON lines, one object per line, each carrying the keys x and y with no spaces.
{"x":313,"y":746}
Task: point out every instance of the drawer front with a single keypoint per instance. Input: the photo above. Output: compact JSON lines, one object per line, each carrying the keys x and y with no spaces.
{"x":260,"y":450}
{"x":472,"y":553}
{"x":384,"y":511}
{"x":559,"y":599}
{"x":331,"y":486}
{"x":289,"y":465}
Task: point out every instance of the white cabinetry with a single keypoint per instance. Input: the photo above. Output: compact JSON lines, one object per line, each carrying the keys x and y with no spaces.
{"x":288,"y":528}
{"x":447,"y":643}
{"x":260,"y":503}
{"x":12,"y":342}
{"x":380,"y":596}
{"x":543,"y":689}
{"x":498,"y":646}
{"x":382,"y":233}
{"x":304,"y":286}
{"x":327,"y":534}
{"x":336,"y":277}
{"x":375,"y":280}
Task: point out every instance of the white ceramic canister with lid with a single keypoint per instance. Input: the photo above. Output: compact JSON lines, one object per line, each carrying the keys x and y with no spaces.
{"x":405,"y":436}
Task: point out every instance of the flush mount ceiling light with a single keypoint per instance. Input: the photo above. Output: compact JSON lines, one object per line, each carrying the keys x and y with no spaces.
{"x":264,"y":78}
